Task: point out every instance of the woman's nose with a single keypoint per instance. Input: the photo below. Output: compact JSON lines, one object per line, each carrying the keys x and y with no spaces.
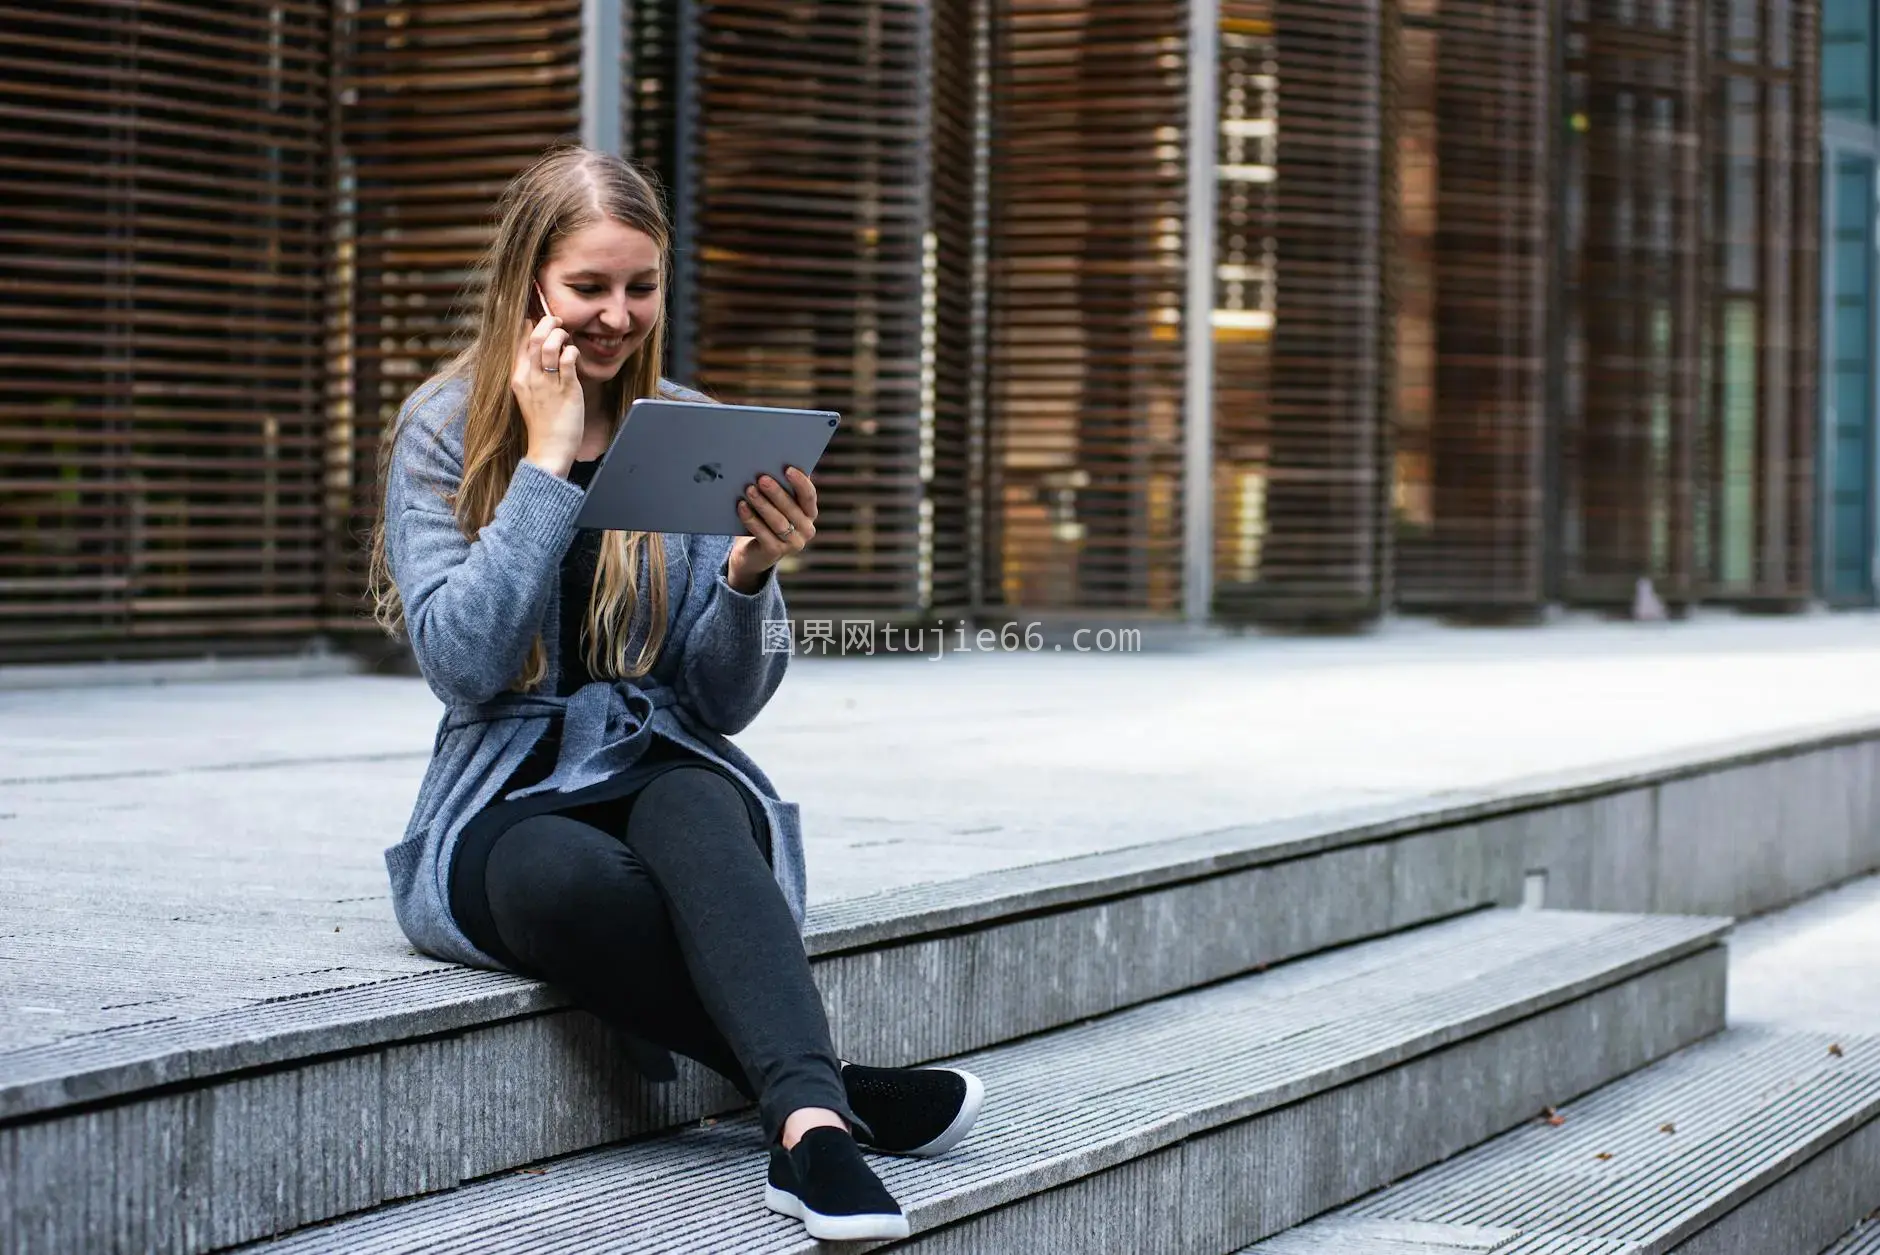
{"x":614,"y":316}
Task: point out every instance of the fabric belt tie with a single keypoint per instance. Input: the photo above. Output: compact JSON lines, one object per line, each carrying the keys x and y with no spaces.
{"x":605,"y":727}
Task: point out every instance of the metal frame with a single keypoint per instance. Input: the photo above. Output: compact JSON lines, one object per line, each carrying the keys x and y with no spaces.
{"x":1553,"y":473}
{"x":1198,"y":390}
{"x":681,"y":303}
{"x":601,"y":46}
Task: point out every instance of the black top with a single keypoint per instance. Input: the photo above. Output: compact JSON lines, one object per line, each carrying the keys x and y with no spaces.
{"x":577,"y":590}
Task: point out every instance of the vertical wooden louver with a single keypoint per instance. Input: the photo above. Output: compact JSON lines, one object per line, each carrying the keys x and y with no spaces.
{"x":952,"y":355}
{"x":1801,"y":542}
{"x":444,"y":101}
{"x":1414,"y":415}
{"x":1628,"y":442}
{"x":1086,"y":287}
{"x":1390,"y":243}
{"x":650,"y":87}
{"x":832,"y":235}
{"x":1755,"y":490}
{"x":1245,"y":291}
{"x":1471,"y":521}
{"x":162,"y":210}
{"x":1297,"y":460}
{"x":653,"y":67}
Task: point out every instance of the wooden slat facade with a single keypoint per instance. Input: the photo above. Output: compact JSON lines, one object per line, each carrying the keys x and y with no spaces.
{"x":953,"y":357}
{"x":1471,"y":466}
{"x":832,"y":238}
{"x":443,"y":101}
{"x":240,"y":234}
{"x":1299,"y":414}
{"x":1754,"y":494}
{"x":1801,"y":538}
{"x":1690,"y":355}
{"x":1246,"y":282}
{"x":1411,"y":303}
{"x":163,"y":213}
{"x":1085,"y":293}
{"x":1629,"y":438}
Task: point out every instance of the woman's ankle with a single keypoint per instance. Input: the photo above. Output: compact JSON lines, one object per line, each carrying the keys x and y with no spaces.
{"x":804,"y":1119}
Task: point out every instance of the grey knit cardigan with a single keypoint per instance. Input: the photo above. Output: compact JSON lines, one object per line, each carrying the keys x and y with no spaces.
{"x":472,"y":608}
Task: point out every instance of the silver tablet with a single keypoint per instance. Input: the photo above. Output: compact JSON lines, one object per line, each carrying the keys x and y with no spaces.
{"x":681,"y":466}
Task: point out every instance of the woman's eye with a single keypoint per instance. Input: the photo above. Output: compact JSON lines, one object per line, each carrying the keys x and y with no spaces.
{"x":587,"y":291}
{"x":645,"y":289}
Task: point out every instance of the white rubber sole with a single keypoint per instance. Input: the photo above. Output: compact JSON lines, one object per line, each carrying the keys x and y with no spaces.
{"x":823,"y":1228}
{"x":956,"y":1132}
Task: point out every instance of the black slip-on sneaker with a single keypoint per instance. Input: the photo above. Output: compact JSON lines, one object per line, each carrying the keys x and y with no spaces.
{"x":913,"y":1111}
{"x":824,"y":1182}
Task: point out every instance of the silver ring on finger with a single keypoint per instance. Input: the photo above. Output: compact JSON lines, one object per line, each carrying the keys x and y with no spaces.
{"x":787,"y":529}
{"x":551,"y":370}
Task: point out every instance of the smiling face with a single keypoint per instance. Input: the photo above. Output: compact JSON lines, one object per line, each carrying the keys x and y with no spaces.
{"x":603,"y":282}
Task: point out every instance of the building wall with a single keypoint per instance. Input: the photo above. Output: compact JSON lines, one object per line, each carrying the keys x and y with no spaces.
{"x":1514,"y":302}
{"x":163,"y":219}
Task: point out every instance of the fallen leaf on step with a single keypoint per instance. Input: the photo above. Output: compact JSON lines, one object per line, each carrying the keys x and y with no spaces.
{"x":1552,"y":1117}
{"x":1836,"y":1050}
{"x":1667,"y":1127}
{"x":531,"y":1172}
{"x":1604,"y":1154}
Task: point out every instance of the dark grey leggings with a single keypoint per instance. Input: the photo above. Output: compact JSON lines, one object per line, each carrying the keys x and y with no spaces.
{"x":658,"y":913}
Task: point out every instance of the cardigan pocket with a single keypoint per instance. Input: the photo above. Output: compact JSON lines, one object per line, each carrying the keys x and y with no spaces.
{"x":786,"y":857}
{"x":401,"y":861}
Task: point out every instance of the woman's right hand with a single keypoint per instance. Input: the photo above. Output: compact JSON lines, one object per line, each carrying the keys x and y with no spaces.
{"x":548,"y":391}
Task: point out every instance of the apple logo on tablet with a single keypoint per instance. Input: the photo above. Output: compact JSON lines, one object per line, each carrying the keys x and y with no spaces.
{"x":707,"y":472}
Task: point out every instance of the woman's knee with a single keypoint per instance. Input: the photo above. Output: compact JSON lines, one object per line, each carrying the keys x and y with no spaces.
{"x":686,"y":789}
{"x":695,"y":812}
{"x":550,"y":871}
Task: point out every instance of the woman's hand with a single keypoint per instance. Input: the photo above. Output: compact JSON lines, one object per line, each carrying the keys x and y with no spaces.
{"x":548,"y":391}
{"x":778,"y":522}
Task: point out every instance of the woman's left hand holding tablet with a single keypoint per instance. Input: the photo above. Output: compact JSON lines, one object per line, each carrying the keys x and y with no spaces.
{"x":779,"y":523}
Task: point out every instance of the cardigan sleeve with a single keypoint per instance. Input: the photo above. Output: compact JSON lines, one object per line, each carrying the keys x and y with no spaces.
{"x":727,"y":670}
{"x":472,"y":607}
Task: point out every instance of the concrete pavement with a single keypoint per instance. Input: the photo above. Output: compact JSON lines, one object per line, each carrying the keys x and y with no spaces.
{"x":168,"y":850}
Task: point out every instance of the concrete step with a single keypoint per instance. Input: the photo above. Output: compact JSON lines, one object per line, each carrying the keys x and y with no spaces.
{"x":1200,"y":1122}
{"x":1862,"y":1239}
{"x":296,"y":1096}
{"x":1756,"y":1142}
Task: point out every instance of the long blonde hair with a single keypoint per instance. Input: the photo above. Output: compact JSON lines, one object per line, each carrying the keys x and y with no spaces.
{"x":566,"y":190}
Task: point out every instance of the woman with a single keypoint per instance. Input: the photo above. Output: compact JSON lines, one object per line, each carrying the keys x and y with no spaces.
{"x":584,"y":819}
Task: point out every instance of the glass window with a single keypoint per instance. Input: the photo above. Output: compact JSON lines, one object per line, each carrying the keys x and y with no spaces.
{"x":1738,"y":33}
{"x":1847,"y":64}
{"x":1739,"y":171}
{"x":1738,"y":455}
{"x":1847,"y":345}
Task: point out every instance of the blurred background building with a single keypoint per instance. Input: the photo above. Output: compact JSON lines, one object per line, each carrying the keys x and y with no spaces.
{"x":1243,"y":310}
